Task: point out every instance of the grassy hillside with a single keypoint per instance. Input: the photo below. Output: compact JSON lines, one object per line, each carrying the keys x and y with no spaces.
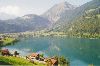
{"x":7,"y":41}
{"x":16,"y":61}
{"x":85,"y":21}
{"x":89,"y":23}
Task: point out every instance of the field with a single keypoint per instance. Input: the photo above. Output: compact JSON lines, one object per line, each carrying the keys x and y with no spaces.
{"x":4,"y":60}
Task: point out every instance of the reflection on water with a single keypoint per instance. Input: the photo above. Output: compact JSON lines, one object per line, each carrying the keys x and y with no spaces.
{"x":80,"y":51}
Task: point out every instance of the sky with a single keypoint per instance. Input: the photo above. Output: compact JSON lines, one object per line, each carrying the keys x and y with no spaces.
{"x":23,"y":7}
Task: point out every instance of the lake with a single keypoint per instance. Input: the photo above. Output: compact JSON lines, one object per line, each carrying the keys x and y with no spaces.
{"x":81,"y":52}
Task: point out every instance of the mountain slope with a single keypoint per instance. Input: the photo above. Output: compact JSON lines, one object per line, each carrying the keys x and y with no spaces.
{"x":26,"y":23}
{"x":88,"y":23}
{"x":57,"y":11}
{"x":63,"y":24}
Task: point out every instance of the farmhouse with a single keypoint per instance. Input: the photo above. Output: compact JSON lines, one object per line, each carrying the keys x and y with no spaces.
{"x":34,"y":56}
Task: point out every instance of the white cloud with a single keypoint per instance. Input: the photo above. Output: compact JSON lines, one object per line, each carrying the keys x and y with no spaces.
{"x":12,"y":10}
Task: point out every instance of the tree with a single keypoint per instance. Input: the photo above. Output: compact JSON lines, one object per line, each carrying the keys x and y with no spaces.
{"x":62,"y":60}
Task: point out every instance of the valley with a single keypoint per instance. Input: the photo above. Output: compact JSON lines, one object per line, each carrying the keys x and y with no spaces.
{"x":63,"y":17}
{"x":64,"y":32}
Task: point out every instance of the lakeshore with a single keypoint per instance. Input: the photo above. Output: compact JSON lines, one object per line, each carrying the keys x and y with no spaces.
{"x":11,"y":37}
{"x":80,"y":51}
{"x":7,"y":40}
{"x":32,"y":59}
{"x":51,"y":34}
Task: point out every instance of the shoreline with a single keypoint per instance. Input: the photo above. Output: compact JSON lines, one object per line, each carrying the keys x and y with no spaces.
{"x":51,"y":34}
{"x":7,"y":41}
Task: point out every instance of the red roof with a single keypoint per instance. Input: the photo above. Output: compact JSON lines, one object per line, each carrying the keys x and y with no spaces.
{"x":5,"y":50}
{"x":34,"y":54}
{"x":53,"y":61}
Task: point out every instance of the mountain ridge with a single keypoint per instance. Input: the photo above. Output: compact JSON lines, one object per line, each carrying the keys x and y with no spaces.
{"x":55,"y":12}
{"x":61,"y":17}
{"x":21,"y":24}
{"x":63,"y":23}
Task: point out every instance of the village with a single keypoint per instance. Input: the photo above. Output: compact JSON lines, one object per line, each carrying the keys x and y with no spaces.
{"x":34,"y":57}
{"x":41,"y":33}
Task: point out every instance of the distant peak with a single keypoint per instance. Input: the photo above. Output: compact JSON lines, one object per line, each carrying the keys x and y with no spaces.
{"x":58,"y":10}
{"x":29,"y":16}
{"x":65,"y":4}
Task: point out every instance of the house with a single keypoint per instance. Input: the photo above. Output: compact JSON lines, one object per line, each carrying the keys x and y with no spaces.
{"x":52,"y":62}
{"x":5,"y":52}
{"x":34,"y":56}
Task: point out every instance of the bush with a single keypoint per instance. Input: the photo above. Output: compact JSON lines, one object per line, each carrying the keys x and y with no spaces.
{"x":62,"y":60}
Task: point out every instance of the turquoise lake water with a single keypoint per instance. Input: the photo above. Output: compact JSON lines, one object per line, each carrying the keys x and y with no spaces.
{"x":80,"y":52}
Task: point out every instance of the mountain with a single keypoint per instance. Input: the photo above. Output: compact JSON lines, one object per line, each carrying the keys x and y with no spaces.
{"x":57,"y":11}
{"x":28,"y":22}
{"x":4,"y":16}
{"x":65,"y":24}
{"x":87,"y":23}
{"x":61,"y":17}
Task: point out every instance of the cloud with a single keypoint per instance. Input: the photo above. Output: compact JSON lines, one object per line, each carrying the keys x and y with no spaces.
{"x":12,"y":10}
